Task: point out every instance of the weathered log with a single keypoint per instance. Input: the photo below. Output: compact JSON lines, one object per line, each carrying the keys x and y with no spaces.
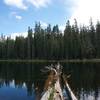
{"x":52,"y":87}
{"x":68,"y":89}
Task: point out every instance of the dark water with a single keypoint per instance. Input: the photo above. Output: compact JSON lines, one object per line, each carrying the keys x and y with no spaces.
{"x":25,"y":81}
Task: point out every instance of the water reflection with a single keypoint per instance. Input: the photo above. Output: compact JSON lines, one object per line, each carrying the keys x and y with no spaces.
{"x":85,"y":80}
{"x":24,"y":76}
{"x":25,"y":81}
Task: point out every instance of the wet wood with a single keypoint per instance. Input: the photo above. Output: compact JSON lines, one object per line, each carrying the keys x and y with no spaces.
{"x":68,"y":89}
{"x":52,"y":89}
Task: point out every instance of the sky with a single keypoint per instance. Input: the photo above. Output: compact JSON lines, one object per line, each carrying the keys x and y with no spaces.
{"x":17,"y":15}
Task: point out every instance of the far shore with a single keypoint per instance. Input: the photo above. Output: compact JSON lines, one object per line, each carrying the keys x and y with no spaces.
{"x":61,"y":61}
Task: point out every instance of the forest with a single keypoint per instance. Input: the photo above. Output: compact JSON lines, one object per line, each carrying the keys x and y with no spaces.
{"x":76,"y":42}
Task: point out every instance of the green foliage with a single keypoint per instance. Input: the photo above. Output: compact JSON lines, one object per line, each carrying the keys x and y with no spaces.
{"x":50,"y":43}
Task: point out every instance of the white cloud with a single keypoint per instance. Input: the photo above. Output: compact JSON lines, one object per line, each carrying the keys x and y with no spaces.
{"x":23,"y":4}
{"x":61,"y":28}
{"x":13,"y":35}
{"x":43,"y":24}
{"x":16,"y":3}
{"x":70,"y":5}
{"x":18,"y":17}
{"x":85,"y":10}
{"x":39,"y":3}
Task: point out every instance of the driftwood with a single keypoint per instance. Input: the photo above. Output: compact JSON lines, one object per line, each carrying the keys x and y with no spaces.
{"x":52,"y":88}
{"x":68,"y":90}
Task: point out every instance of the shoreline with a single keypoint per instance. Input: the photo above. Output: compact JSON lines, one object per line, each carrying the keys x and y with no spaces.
{"x":54,"y":61}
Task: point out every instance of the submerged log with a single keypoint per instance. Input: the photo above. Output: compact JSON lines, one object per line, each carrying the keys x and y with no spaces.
{"x":52,"y":89}
{"x":53,"y":93}
{"x":52,"y":85}
{"x":68,"y":90}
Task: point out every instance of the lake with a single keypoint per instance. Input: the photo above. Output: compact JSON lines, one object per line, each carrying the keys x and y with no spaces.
{"x":25,"y":81}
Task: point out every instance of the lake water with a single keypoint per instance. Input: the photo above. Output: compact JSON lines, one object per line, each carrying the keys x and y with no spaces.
{"x":25,"y":81}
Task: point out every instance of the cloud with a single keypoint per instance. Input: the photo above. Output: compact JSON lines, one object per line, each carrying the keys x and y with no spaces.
{"x":43,"y":24}
{"x":16,"y":15}
{"x":13,"y":35}
{"x":16,"y":3}
{"x":70,"y":5}
{"x":24,"y":4}
{"x":85,"y":10}
{"x":62,"y":28}
{"x":39,"y":3}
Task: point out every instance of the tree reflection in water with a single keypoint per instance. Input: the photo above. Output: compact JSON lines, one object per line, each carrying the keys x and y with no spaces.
{"x":84,"y":79}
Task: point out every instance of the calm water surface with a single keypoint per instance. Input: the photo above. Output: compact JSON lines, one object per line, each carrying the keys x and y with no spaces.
{"x":25,"y":81}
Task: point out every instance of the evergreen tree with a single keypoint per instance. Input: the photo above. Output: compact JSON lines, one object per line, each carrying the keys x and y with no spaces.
{"x":68,"y":41}
{"x":9,"y":48}
{"x":75,"y":41}
{"x":98,"y":39}
{"x":50,"y":43}
{"x":30,"y":44}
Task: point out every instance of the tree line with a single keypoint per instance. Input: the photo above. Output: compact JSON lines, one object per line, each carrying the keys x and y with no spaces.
{"x":76,"y":42}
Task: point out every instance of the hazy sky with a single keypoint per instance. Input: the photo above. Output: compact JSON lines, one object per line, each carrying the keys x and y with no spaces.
{"x":17,"y":15}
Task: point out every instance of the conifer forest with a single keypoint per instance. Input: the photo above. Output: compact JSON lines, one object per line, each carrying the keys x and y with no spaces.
{"x":76,"y":42}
